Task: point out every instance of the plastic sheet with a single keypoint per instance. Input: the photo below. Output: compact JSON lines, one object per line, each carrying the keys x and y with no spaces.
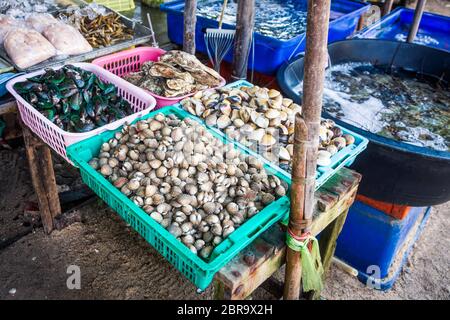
{"x":27,"y":47}
{"x":6,"y":24}
{"x":40,"y":21}
{"x":66,"y":39}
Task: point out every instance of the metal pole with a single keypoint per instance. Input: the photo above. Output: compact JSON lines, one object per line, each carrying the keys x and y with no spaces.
{"x":190,"y":19}
{"x":314,"y":75}
{"x":243,"y":39}
{"x":387,"y":7}
{"x":420,"y":6}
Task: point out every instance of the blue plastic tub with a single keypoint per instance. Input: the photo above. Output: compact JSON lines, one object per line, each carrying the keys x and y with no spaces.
{"x":270,"y":53}
{"x":434,"y":29}
{"x":372,"y":238}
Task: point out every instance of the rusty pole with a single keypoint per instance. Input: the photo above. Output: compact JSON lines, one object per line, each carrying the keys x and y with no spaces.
{"x":190,"y":19}
{"x":420,"y":6}
{"x":314,"y":76}
{"x":245,"y":20}
{"x":387,"y":7}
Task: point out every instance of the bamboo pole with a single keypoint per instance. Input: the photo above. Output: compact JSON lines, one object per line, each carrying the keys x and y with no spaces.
{"x":245,"y":20}
{"x":387,"y":7}
{"x":420,"y":6}
{"x":190,"y":19}
{"x":314,"y":75}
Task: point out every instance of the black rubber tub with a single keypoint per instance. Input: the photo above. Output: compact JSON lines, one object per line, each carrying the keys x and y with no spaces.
{"x":393,"y":171}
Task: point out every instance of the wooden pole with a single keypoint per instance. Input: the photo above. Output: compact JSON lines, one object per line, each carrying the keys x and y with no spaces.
{"x":293,"y":263}
{"x":387,"y":7}
{"x":417,"y":18}
{"x":190,"y":20}
{"x":245,"y":20}
{"x":314,"y":75}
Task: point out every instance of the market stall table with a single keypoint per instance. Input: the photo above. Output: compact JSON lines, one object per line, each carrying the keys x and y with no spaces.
{"x":260,"y":260}
{"x":255,"y":265}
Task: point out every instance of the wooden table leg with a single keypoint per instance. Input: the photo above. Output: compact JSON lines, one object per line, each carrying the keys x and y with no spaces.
{"x":43,"y":177}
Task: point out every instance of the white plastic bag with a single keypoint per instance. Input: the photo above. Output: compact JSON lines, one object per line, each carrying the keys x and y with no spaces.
{"x":6,"y":24}
{"x":66,"y":39}
{"x":27,"y":47}
{"x":40,"y":21}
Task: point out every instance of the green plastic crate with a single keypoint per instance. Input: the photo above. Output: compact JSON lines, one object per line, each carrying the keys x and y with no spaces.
{"x":194,"y":268}
{"x":117,"y":5}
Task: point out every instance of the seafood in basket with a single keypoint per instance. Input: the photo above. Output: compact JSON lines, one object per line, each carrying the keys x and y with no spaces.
{"x":198,"y":188}
{"x":175,"y":74}
{"x":261,"y":119}
{"x":100,"y":28}
{"x":74,"y":99}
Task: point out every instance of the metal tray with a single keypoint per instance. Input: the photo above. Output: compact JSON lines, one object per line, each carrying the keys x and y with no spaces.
{"x":142,"y":35}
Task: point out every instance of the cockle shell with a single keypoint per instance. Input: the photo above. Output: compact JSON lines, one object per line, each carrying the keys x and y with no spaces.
{"x":186,"y":179}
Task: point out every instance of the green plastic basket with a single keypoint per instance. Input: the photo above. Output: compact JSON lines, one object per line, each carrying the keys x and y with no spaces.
{"x":194,"y":268}
{"x":117,"y":5}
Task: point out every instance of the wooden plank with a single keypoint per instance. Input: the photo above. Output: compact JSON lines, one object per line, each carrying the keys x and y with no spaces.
{"x":43,"y":178}
{"x":253,"y":266}
{"x":327,"y":244}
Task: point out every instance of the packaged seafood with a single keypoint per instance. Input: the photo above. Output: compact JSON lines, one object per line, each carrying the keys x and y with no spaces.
{"x":21,"y":9}
{"x":40,"y":21}
{"x":101,"y":28}
{"x":6,"y":24}
{"x":66,"y":39}
{"x":27,"y":47}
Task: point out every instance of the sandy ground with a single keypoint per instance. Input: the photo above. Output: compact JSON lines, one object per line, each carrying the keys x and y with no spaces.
{"x":116,"y":263}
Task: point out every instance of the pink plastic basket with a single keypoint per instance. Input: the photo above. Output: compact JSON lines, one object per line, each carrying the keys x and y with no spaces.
{"x":58,"y":139}
{"x":124,"y":62}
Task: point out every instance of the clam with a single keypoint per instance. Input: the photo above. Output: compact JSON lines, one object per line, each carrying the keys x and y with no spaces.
{"x":349,"y":139}
{"x":339,"y":142}
{"x":272,"y":114}
{"x":156,"y":216}
{"x":206,"y":251}
{"x":106,"y":170}
{"x":186,"y":179}
{"x":267,"y":140}
{"x":223,"y":121}
{"x":323,"y":158}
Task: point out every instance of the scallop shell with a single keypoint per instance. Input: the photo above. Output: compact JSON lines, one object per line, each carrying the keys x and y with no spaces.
{"x":323,"y":158}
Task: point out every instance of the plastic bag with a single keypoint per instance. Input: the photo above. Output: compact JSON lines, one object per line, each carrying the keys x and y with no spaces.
{"x":6,"y":24}
{"x":40,"y":21}
{"x":27,"y":47}
{"x":66,"y":39}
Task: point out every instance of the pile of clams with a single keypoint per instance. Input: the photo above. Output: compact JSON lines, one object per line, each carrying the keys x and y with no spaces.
{"x":261,"y":119}
{"x":187,"y":180}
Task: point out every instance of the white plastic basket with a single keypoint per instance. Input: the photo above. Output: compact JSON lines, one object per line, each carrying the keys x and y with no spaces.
{"x":58,"y":139}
